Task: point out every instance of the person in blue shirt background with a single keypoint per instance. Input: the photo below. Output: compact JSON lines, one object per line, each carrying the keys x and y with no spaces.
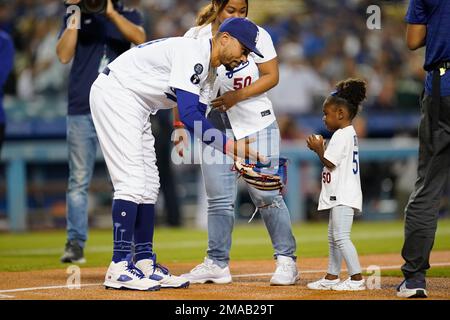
{"x":92,"y":41}
{"x":6,"y":65}
{"x":428,"y":25}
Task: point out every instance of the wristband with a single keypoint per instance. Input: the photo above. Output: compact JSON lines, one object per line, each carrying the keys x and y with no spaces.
{"x":228,"y":147}
{"x":178,"y":124}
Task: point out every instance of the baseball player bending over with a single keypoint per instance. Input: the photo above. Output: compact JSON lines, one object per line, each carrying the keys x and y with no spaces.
{"x":155,"y":75}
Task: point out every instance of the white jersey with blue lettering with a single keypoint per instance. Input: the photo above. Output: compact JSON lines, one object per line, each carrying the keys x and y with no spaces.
{"x":140,"y":82}
{"x":342,"y":185}
{"x":253,"y":114}
{"x":152,"y":70}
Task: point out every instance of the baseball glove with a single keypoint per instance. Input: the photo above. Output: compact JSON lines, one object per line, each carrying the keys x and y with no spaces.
{"x":259,"y":176}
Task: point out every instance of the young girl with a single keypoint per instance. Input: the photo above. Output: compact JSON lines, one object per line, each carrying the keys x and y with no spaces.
{"x":341,"y":188}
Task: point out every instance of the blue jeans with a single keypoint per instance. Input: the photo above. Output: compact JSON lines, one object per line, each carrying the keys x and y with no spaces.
{"x":221,"y":189}
{"x":82,"y":145}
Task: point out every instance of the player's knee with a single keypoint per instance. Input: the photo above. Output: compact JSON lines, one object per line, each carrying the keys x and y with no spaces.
{"x":341,"y":239}
{"x":220,"y":205}
{"x":150,"y":197}
{"x":134,"y":193}
{"x":79,"y":179}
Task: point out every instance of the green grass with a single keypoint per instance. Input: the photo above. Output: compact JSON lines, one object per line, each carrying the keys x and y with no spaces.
{"x":41,"y":250}
{"x":438,"y":272}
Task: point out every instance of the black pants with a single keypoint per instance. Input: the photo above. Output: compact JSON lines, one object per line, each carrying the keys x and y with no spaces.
{"x":421,"y":213}
{"x":162,"y":128}
{"x":2,"y":136}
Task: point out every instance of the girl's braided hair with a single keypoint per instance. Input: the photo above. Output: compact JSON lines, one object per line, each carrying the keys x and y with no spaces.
{"x":349,"y":93}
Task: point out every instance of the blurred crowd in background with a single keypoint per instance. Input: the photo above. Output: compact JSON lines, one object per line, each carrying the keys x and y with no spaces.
{"x":318,"y":43}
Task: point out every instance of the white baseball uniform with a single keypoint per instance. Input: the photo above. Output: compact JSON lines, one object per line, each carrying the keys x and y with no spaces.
{"x":140,"y":82}
{"x":342,"y":185}
{"x":253,"y":114}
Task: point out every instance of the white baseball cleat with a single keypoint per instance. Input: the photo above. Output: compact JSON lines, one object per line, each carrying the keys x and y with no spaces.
{"x":124,"y":275}
{"x":286,"y":272}
{"x":208,"y":271}
{"x":322,"y":284}
{"x":161,"y":274}
{"x":350,"y":285}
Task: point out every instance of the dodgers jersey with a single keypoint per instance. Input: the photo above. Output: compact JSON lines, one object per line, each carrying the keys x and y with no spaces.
{"x":253,"y":114}
{"x":153,"y":70}
{"x":342,"y":185}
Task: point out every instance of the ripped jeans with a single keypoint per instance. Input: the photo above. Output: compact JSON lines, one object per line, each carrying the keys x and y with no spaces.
{"x":221,"y":189}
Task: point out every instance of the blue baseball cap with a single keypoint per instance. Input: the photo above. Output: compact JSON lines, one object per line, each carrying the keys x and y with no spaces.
{"x":243,"y":30}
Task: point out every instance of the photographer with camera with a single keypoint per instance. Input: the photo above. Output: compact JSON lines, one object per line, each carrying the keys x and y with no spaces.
{"x":94,"y":33}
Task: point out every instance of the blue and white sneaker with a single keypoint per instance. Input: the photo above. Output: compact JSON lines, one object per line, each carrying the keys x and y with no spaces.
{"x":412,"y":289}
{"x":124,"y":275}
{"x":157,"y":272}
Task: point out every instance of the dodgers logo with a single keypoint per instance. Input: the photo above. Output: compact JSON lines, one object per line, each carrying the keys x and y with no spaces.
{"x":243,"y":65}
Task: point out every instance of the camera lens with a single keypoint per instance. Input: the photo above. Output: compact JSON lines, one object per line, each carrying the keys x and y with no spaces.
{"x":94,"y":6}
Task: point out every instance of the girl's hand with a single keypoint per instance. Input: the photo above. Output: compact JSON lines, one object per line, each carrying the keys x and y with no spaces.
{"x":315,"y":142}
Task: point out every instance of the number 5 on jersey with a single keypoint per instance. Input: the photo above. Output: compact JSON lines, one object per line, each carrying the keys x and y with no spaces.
{"x":355,"y":162}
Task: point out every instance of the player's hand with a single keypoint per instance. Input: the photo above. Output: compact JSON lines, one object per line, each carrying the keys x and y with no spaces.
{"x":227,"y":100}
{"x":181,"y":140}
{"x":241,"y":149}
{"x":315,"y":142}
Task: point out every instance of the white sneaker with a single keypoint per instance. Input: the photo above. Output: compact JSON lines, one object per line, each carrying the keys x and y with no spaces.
{"x":209,"y":272}
{"x":412,"y":289}
{"x":322,"y":284}
{"x":157,"y":272}
{"x":350,"y":285}
{"x":286,"y":272}
{"x":124,"y":275}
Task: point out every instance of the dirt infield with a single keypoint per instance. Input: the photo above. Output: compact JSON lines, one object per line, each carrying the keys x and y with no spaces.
{"x":250,"y":281}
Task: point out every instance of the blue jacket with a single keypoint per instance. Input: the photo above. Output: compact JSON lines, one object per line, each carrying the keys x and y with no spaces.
{"x":435,"y":14}
{"x":6,"y":65}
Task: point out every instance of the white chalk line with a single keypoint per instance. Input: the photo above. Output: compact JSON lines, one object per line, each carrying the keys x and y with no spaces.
{"x":438,"y":264}
{"x":44,"y":288}
{"x":2,"y":296}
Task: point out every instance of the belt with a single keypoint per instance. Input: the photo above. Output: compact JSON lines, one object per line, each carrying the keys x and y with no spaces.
{"x":438,"y":65}
{"x":106,"y":71}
